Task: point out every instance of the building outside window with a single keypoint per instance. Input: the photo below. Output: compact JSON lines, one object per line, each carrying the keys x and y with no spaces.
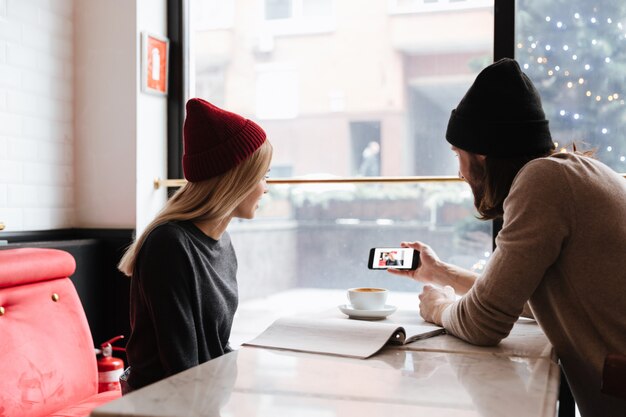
{"x":336,"y":83}
{"x":277,"y":87}
{"x":347,"y":89}
{"x":278,"y":9}
{"x":423,"y":6}
{"x":297,"y":9}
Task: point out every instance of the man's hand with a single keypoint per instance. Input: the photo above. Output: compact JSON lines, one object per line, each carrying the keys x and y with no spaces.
{"x":429,"y":267}
{"x":432,"y":270}
{"x":433,"y":301}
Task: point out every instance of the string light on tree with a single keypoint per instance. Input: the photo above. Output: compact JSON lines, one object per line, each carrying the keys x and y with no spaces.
{"x":580,"y":71}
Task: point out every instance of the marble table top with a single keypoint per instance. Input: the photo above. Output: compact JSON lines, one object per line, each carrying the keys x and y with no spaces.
{"x":440,"y":376}
{"x":262,"y":382}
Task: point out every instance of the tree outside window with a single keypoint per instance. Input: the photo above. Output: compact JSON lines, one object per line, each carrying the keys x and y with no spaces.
{"x":575,"y":52}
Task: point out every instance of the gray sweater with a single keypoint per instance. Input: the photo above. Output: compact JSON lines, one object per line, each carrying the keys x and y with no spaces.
{"x":562,"y":247}
{"x":182,"y":302}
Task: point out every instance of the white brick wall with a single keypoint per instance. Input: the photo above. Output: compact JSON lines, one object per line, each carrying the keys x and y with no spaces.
{"x":36,"y":114}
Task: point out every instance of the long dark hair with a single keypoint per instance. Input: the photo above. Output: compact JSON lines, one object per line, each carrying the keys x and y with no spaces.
{"x":494,"y":178}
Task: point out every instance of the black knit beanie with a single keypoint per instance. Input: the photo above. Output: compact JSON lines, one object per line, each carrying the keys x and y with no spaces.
{"x":500,"y":115}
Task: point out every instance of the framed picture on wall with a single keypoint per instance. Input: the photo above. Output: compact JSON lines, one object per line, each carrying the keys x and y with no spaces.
{"x":154,"y":63}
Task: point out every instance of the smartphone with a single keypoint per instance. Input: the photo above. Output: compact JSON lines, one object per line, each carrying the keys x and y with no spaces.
{"x":397,"y":258}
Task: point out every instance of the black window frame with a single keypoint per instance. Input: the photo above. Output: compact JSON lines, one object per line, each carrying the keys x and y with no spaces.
{"x":177,"y":21}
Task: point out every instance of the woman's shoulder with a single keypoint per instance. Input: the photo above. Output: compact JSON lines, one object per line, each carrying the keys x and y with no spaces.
{"x":164,"y":253}
{"x":167,"y":235}
{"x":168,"y":229}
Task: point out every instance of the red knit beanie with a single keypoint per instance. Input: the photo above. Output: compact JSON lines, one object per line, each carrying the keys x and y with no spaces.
{"x":216,"y":140}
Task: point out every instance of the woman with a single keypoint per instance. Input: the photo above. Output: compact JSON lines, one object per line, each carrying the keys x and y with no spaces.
{"x":183,"y":266}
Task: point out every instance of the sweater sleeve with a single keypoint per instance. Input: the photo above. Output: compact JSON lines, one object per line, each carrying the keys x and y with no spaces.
{"x":166,"y":272}
{"x":537,"y":223}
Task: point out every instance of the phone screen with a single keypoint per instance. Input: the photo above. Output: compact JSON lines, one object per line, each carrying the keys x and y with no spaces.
{"x":399,"y":258}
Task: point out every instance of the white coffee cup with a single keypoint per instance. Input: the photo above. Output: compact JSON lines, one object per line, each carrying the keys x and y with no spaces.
{"x":367,"y":298}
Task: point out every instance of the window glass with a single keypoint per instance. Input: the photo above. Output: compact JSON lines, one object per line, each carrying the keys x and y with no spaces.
{"x":413,"y":6}
{"x":213,"y":14}
{"x":320,"y":235}
{"x":276,"y":91}
{"x":574,"y":52}
{"x":351,"y":88}
{"x":311,"y":71}
{"x":278,"y":9}
{"x":314,"y":8}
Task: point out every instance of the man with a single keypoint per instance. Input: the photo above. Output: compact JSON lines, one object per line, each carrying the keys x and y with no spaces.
{"x":370,"y":164}
{"x":561,"y":253}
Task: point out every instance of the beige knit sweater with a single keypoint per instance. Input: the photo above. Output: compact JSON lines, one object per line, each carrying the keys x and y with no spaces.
{"x":562,"y":248}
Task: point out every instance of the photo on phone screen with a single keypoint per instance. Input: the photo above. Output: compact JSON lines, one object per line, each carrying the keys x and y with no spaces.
{"x":398,"y":258}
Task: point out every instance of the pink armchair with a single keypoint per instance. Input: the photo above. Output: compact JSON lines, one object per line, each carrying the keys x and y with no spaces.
{"x":47,"y":360}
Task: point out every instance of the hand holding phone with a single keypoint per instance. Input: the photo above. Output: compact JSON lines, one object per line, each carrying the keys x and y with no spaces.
{"x":397,"y":258}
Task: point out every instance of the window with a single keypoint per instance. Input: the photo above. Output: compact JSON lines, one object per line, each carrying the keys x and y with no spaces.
{"x":405,"y":72}
{"x":210,"y":83}
{"x":288,"y":17}
{"x":345,"y":91}
{"x":276,"y":91}
{"x":278,"y":9}
{"x":298,"y":9}
{"x":420,"y":6}
{"x":213,"y":14}
{"x":575,"y":55}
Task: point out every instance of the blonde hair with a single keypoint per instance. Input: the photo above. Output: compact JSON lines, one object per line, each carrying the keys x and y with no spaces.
{"x":213,"y":199}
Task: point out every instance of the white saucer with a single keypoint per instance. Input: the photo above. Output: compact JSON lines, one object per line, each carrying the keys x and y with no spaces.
{"x":353,"y":313}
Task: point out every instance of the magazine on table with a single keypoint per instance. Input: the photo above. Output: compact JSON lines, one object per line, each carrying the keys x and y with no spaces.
{"x":343,"y":336}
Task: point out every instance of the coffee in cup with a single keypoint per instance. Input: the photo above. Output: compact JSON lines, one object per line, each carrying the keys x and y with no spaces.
{"x":367,"y":298}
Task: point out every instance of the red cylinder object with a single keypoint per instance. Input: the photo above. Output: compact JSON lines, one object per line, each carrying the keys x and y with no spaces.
{"x":109,"y":368}
{"x":109,"y":371}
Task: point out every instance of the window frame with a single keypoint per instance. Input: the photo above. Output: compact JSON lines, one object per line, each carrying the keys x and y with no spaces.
{"x":423,"y":6}
{"x":298,"y":22}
